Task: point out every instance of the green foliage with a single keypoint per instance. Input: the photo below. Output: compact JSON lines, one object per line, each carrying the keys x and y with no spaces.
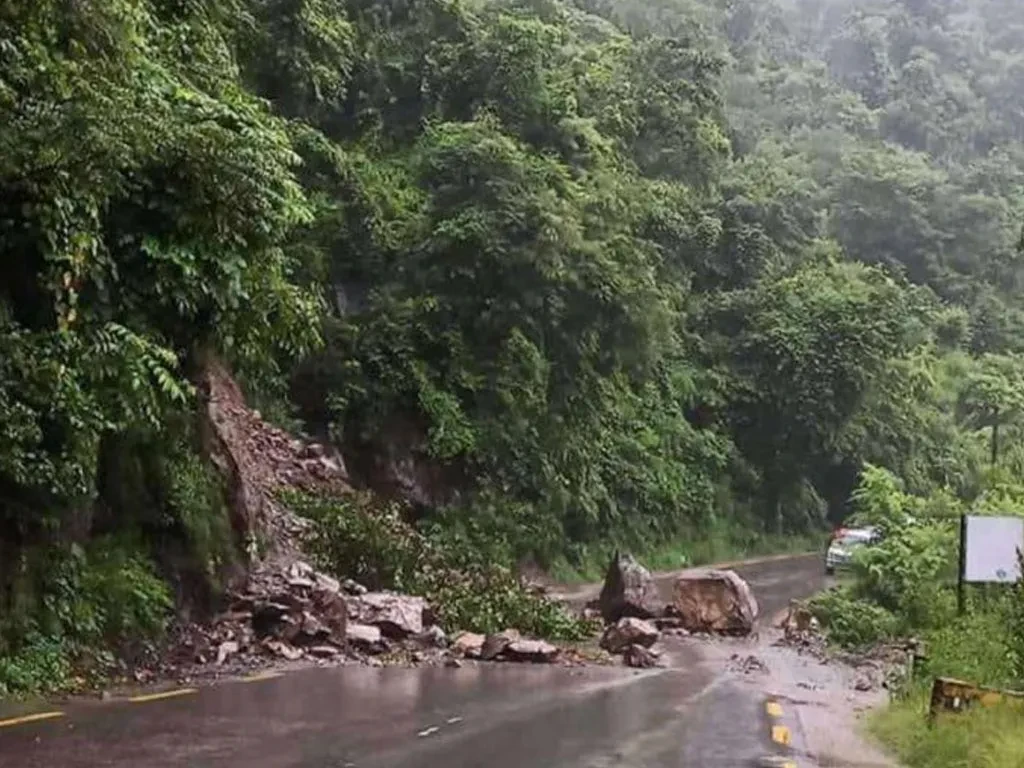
{"x":852,"y":622}
{"x":609,"y":273}
{"x":87,"y":603}
{"x":983,"y":738}
{"x":358,"y":538}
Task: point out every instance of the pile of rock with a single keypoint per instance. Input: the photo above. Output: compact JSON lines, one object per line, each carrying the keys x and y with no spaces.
{"x":634,"y":638}
{"x":295,"y":612}
{"x":703,"y":600}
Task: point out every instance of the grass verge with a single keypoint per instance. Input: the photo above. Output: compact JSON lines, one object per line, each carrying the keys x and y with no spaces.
{"x":983,"y":738}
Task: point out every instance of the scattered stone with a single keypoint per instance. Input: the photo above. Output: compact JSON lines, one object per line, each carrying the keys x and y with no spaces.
{"x":312,"y":629}
{"x":639,"y":657}
{"x":432,"y":637}
{"x":590,"y":614}
{"x":282,"y":649}
{"x":863,"y":684}
{"x":469,"y":644}
{"x":496,"y":644}
{"x":748,"y":664}
{"x":366,"y":638}
{"x":715,"y":601}
{"x":629,"y":631}
{"x":328,"y":583}
{"x":453,"y":663}
{"x":537,"y":651}
{"x":226,"y":650}
{"x":665,"y":623}
{"x":628,"y":590}
{"x":324,"y":651}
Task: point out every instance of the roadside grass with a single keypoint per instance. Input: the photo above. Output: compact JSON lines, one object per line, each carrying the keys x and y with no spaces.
{"x":720,"y":545}
{"x":982,"y":738}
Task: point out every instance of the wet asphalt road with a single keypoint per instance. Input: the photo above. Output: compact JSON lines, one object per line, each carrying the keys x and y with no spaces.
{"x":498,"y":716}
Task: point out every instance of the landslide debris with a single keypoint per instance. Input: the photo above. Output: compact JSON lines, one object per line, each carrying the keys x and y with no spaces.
{"x":281,"y":609}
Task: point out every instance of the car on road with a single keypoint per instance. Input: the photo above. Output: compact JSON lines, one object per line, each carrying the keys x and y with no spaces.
{"x":844,"y":542}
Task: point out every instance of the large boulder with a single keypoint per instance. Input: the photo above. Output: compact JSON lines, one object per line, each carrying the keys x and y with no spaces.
{"x":629,"y":631}
{"x":714,"y":601}
{"x":628,"y":590}
{"x":397,"y":616}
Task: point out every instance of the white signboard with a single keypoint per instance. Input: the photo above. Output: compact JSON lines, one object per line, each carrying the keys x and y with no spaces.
{"x":991,"y":545}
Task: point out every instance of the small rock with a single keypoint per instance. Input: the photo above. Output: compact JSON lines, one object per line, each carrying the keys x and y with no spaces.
{"x":300,"y":570}
{"x":453,"y":663}
{"x":536,"y":651}
{"x":468,"y":644}
{"x":365,"y":637}
{"x":226,"y":650}
{"x":313,"y":629}
{"x":283,"y":650}
{"x":665,"y":623}
{"x":353,"y":588}
{"x":629,"y":631}
{"x":432,"y":637}
{"x":328,"y":583}
{"x":324,"y":651}
{"x":496,"y":644}
{"x":639,"y":657}
{"x":863,"y":684}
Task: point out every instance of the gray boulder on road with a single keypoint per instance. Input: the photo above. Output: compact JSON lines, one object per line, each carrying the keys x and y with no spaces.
{"x":714,"y":601}
{"x":628,"y":590}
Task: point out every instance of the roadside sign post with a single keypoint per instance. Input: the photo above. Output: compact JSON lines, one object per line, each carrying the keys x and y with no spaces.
{"x":960,"y":596}
{"x":990,"y":550}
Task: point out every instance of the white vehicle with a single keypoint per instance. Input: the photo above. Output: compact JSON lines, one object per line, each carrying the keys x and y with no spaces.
{"x":843,"y":544}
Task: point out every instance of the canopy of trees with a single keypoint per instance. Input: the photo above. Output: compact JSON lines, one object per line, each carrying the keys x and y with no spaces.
{"x":613,"y":271}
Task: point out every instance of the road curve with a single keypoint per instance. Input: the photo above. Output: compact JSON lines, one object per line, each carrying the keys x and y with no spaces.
{"x":498,"y":716}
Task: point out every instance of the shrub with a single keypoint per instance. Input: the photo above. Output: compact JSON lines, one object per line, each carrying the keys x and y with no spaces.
{"x":90,"y":600}
{"x":852,"y":622}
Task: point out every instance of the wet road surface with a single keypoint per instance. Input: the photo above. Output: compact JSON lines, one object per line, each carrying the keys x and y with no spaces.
{"x":500,"y":716}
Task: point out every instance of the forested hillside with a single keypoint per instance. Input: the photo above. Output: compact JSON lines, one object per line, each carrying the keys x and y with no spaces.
{"x":555,"y":274}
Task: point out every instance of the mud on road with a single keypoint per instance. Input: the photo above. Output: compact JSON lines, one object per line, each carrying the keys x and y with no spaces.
{"x":718,"y":703}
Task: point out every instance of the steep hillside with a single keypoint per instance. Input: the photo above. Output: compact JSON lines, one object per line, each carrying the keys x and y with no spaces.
{"x":550,"y":276}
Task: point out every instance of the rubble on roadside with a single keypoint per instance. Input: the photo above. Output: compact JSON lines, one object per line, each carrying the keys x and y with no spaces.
{"x":883,"y":665}
{"x":298,"y":615}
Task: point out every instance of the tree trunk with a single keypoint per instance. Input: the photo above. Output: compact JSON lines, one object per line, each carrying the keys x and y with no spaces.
{"x":995,"y":439}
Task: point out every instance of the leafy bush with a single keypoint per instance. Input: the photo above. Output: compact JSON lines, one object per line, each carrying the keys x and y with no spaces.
{"x":910,"y":573}
{"x":358,"y":538}
{"x":90,"y":602}
{"x":852,"y":622}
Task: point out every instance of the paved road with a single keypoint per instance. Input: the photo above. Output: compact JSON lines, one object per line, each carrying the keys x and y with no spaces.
{"x":498,"y":716}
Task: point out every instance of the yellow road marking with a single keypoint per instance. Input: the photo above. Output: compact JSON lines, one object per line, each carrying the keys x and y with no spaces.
{"x":781,"y":735}
{"x":30,"y":718}
{"x":773,"y":708}
{"x":164,"y":695}
{"x":261,"y":676}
